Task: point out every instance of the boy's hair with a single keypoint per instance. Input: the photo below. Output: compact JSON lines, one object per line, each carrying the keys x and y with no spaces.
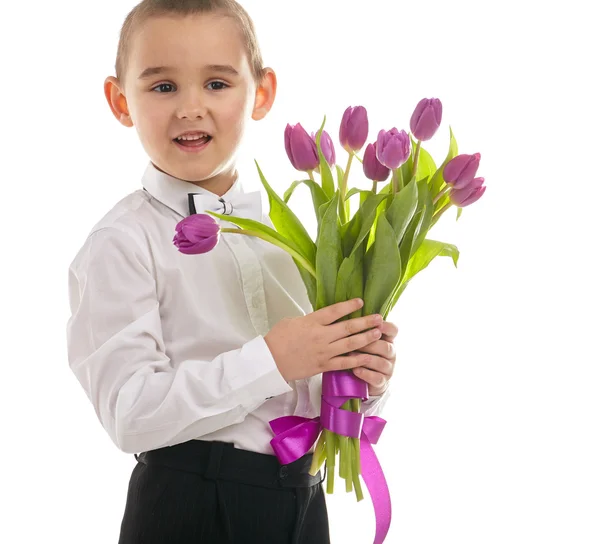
{"x":157,"y":8}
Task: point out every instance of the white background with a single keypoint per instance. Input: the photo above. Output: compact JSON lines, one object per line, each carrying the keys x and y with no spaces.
{"x":493,"y":428}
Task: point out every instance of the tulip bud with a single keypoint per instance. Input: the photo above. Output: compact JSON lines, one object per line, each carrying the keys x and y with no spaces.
{"x":393,"y":148}
{"x":300,"y":148}
{"x":461,"y":170}
{"x":372,"y":168}
{"x":426,"y":119}
{"x":469,"y":194}
{"x":196,"y":233}
{"x":354,"y":128}
{"x":326,"y":147}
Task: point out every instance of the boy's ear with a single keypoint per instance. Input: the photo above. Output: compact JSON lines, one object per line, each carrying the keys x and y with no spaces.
{"x":265,"y":95}
{"x":117,"y":101}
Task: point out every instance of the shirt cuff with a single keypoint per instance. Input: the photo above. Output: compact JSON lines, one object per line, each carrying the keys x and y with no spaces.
{"x":374,"y":405}
{"x":260,"y":378}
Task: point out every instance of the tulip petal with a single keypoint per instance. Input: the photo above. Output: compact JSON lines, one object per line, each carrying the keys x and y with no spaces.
{"x":475,"y":196}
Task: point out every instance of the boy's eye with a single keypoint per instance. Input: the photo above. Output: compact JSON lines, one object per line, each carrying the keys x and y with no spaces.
{"x":162,"y":85}
{"x":223,"y":85}
{"x":219,"y":86}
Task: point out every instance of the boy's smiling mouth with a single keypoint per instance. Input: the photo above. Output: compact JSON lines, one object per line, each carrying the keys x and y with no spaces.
{"x":192,"y":140}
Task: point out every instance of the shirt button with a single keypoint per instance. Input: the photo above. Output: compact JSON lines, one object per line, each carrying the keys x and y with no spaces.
{"x":283,"y":472}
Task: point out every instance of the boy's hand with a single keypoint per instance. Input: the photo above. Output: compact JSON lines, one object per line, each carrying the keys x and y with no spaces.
{"x":317,"y":342}
{"x":377,"y":373}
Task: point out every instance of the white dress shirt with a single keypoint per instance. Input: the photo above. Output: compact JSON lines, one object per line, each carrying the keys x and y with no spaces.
{"x":170,"y":347}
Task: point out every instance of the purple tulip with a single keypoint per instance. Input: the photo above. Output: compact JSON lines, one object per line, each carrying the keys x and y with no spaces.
{"x":300,"y":148}
{"x":461,"y":170}
{"x":469,"y":194}
{"x":372,"y":168}
{"x":326,"y":147}
{"x":426,"y":119}
{"x":393,"y":148}
{"x":354,"y":128}
{"x":197,"y":233}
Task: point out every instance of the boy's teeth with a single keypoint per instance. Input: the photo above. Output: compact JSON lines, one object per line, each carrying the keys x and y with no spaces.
{"x":192,"y":137}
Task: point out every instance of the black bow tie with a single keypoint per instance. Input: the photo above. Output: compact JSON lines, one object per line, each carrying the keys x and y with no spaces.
{"x":246,"y":205}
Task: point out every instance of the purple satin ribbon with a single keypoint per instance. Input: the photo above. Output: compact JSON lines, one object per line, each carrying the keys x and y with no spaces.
{"x":295,"y":436}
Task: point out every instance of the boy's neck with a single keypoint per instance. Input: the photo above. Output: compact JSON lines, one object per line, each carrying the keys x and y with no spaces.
{"x":218,"y":184}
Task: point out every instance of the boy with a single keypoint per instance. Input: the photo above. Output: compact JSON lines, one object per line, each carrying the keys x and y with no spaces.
{"x":186,"y":359}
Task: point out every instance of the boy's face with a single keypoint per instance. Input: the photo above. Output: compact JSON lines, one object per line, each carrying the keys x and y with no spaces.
{"x":206,"y":85}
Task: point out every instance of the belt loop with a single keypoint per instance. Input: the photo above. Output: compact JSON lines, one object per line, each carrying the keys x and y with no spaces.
{"x":214,"y":460}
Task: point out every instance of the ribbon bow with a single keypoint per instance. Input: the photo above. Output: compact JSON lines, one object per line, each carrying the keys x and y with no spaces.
{"x":295,"y":435}
{"x":247,"y":205}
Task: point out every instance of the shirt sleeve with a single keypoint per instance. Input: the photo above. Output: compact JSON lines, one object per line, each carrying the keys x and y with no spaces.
{"x":374,"y":405}
{"x":143,"y":399}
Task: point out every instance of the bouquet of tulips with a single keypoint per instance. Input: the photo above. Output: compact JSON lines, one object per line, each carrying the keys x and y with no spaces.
{"x":371,"y":254}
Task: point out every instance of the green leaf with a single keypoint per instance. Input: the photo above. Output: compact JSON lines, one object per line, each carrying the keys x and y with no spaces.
{"x":419,"y":225}
{"x":427,"y":251}
{"x":365,"y":217}
{"x":350,"y":281}
{"x":310,"y":282}
{"x":436,"y":183}
{"x":393,"y":299}
{"x":287,"y":223}
{"x":288,"y":192}
{"x":353,"y":191}
{"x":383,"y":268}
{"x":458,"y":212}
{"x":325,"y":171}
{"x":355,"y":230}
{"x":318,"y":195}
{"x":256,"y":228}
{"x":329,"y":254}
{"x":340,"y":175}
{"x":425,"y":224}
{"x":402,"y":209}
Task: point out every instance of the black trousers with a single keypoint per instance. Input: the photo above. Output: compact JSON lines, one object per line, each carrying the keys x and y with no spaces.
{"x":203,"y":492}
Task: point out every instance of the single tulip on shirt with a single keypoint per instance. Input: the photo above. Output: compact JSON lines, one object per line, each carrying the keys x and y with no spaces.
{"x":426,"y":119}
{"x":461,"y":170}
{"x":197,"y":233}
{"x":393,"y":148}
{"x":300,"y":148}
{"x":373,"y":169}
{"x":354,"y":128}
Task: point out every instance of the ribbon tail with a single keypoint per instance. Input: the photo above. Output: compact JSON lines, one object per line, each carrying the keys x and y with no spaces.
{"x":374,"y":478}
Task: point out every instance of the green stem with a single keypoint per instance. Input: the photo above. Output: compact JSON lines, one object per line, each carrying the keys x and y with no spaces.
{"x":446,"y":190}
{"x":355,"y":455}
{"x":309,"y":267}
{"x":311,"y":175}
{"x":343,"y":218}
{"x":357,"y":157}
{"x":318,"y":455}
{"x":374,"y":188}
{"x":394,"y":182}
{"x":330,"y":446}
{"x":418,"y":148}
{"x":435,"y":218}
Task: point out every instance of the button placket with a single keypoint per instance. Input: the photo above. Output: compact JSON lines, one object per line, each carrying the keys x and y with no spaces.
{"x":252,"y":282}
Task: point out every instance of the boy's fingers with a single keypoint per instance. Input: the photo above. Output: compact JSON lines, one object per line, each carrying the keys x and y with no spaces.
{"x":376,"y":379}
{"x":383,"y":348}
{"x":332,"y":313}
{"x":389,"y":331}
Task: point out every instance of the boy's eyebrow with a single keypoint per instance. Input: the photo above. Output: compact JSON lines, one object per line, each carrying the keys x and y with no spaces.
{"x":155,"y":70}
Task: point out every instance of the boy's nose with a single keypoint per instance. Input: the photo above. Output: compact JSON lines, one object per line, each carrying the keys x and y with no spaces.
{"x":192,"y":107}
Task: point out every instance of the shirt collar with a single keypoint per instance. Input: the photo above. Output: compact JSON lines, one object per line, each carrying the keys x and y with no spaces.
{"x":173,"y":192}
